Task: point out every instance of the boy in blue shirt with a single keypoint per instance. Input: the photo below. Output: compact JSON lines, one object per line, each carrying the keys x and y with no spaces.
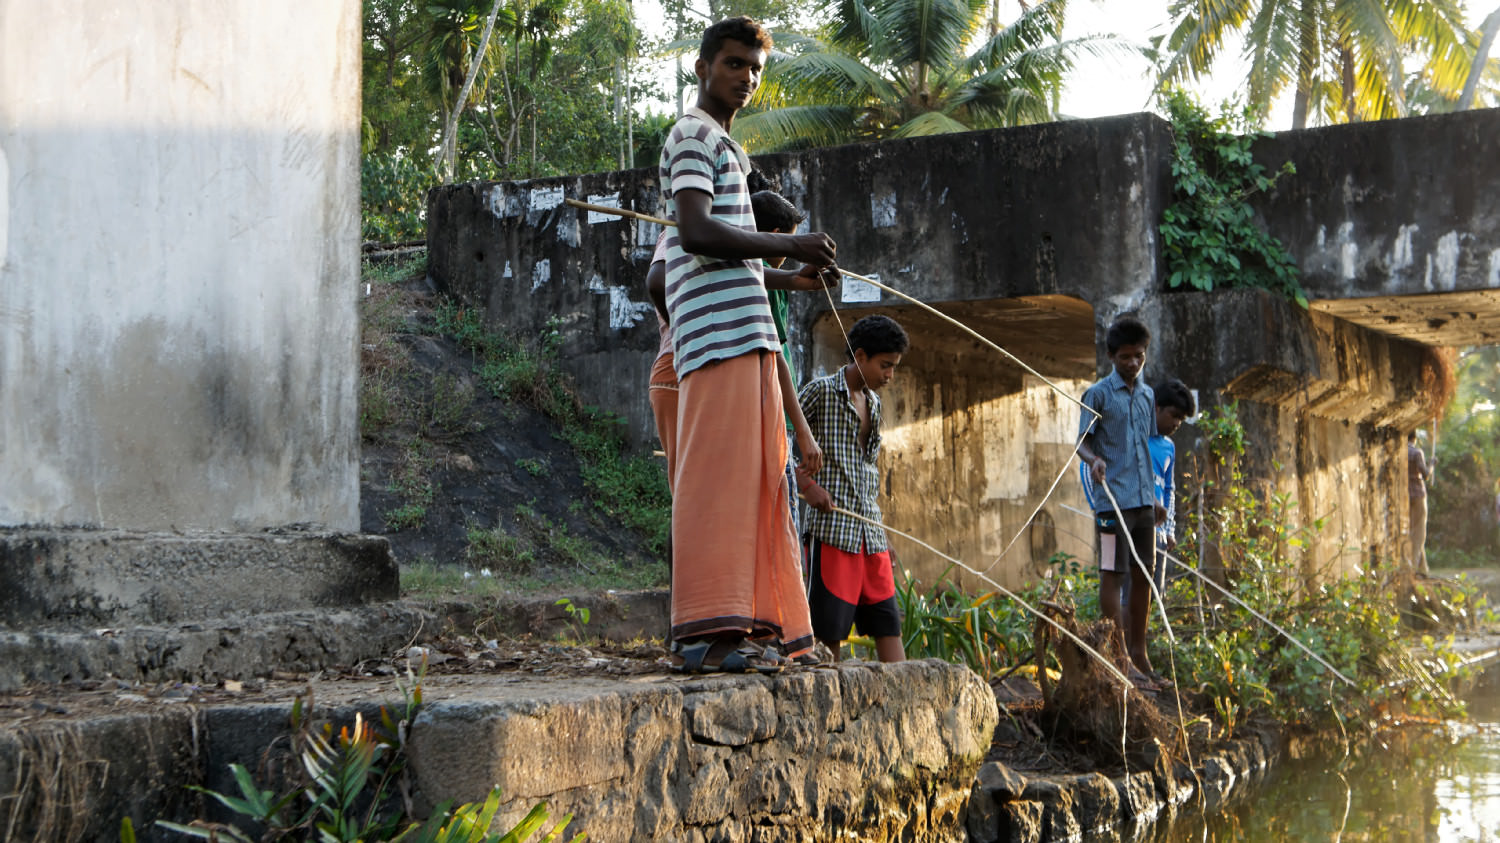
{"x":1174,"y":405}
{"x":1116,"y":449}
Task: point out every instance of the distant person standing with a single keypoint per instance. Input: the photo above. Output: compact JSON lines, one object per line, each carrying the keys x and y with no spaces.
{"x":1418,"y":475}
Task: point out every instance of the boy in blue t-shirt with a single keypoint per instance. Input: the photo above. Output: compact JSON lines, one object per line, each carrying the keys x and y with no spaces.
{"x":1174,"y":405}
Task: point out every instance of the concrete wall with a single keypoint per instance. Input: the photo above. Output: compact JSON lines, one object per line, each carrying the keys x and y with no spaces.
{"x":178,"y":258}
{"x":1394,"y":207}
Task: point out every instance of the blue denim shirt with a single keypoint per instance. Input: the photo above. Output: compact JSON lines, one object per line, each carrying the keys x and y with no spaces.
{"x":1121,"y":437}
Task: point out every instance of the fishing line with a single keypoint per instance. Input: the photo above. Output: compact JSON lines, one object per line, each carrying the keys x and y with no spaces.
{"x":998,"y":587}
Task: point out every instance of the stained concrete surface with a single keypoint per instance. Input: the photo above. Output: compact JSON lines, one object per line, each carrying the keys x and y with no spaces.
{"x":179,"y":249}
{"x":51,"y":578}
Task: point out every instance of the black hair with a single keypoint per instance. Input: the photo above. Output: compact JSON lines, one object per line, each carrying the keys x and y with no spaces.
{"x":756,"y":181}
{"x":1411,"y":436}
{"x":1174,"y":393}
{"x":774,"y":213}
{"x":877,"y":335}
{"x":742,"y":29}
{"x":1127,"y":330}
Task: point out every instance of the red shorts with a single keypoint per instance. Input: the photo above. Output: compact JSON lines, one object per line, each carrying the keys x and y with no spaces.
{"x":851,"y":590}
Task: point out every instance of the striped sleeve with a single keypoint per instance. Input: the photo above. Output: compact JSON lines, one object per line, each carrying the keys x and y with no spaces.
{"x":690,"y":160}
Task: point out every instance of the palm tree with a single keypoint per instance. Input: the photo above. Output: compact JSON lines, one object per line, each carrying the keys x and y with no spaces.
{"x":899,"y":68}
{"x":1343,"y":57}
{"x":1487,"y":33}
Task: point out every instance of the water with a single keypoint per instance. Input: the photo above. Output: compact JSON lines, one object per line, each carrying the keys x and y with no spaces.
{"x":1419,"y":788}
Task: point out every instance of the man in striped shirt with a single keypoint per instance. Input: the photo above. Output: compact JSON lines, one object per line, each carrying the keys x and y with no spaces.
{"x":736,"y":575}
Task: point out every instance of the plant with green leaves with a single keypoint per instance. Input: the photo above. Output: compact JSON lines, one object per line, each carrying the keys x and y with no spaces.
{"x":1343,"y":59}
{"x":1248,"y":667}
{"x":345,"y":793}
{"x":1209,"y":234}
{"x":988,"y":632}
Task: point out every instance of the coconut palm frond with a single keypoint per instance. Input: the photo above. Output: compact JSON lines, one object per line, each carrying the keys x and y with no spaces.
{"x":927,"y":124}
{"x":1271,"y":47}
{"x":796,"y":127}
{"x":1198,"y":36}
{"x":927,"y":32}
{"x":822,"y":76}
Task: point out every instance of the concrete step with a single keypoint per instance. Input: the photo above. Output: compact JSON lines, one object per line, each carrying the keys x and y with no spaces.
{"x":69,"y":579}
{"x":307,"y":641}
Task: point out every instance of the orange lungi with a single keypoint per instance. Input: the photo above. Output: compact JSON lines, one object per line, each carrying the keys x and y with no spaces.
{"x":736,"y":565}
{"x":663,"y":394}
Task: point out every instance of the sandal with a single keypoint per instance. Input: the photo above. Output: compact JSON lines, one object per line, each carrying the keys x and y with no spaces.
{"x":742,"y":658}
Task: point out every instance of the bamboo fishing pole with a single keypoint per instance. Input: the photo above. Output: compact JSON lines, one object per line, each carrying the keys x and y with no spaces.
{"x":623,"y":212}
{"x":619,"y":212}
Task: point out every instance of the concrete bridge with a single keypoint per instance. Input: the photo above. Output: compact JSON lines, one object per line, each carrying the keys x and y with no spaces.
{"x":1037,"y":237}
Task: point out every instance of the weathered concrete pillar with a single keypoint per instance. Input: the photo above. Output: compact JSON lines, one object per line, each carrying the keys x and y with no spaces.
{"x":179,"y":224}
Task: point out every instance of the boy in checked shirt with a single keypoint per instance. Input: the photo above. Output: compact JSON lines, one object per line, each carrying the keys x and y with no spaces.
{"x":850,"y":578}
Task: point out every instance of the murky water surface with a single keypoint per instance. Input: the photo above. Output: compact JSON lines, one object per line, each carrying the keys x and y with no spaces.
{"x":1429,"y":789}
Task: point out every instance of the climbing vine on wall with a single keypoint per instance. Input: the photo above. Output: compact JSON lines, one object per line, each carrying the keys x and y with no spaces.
{"x":1209,"y":234}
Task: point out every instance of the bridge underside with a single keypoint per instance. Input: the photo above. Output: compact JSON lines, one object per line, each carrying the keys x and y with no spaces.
{"x":1459,"y":318}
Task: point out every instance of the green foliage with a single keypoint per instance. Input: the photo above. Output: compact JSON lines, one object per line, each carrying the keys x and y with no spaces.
{"x":413,"y":482}
{"x":1461,"y":526}
{"x":1261,"y":543}
{"x":1343,"y":60}
{"x":534,"y":467}
{"x":908,"y":68}
{"x":987,"y":632}
{"x":578,"y":616}
{"x":549,"y":97}
{"x":1209,"y":234}
{"x":498,"y":549}
{"x":629,"y":488}
{"x":393,"y":197}
{"x":447,"y":408}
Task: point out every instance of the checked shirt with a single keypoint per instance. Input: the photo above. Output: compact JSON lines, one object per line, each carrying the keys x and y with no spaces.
{"x":849,"y":473}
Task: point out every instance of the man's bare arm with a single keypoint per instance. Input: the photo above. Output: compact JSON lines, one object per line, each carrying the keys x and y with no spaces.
{"x":703,"y":235}
{"x":807,"y":278}
{"x":656,"y":289}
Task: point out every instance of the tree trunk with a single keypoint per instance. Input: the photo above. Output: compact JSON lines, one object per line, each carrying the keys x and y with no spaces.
{"x":1307,"y":61}
{"x":1481,"y":58}
{"x":449,"y":155}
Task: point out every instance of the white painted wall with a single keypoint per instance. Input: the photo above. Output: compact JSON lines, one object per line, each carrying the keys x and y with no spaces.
{"x":179,"y":224}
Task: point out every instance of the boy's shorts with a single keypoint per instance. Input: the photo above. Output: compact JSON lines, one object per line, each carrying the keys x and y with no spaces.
{"x":851,"y":589}
{"x":1139,"y":529}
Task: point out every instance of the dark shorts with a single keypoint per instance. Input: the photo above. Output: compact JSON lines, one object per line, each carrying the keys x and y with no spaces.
{"x":1115,"y":539}
{"x":851,"y":589}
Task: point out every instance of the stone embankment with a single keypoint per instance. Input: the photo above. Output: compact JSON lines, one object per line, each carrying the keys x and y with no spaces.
{"x":1010,"y":807}
{"x":857,"y":752}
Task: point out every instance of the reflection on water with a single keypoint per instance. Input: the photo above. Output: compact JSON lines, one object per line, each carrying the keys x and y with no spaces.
{"x":1417,"y":789}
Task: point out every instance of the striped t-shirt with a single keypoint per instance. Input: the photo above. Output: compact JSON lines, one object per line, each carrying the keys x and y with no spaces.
{"x":719,"y":307}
